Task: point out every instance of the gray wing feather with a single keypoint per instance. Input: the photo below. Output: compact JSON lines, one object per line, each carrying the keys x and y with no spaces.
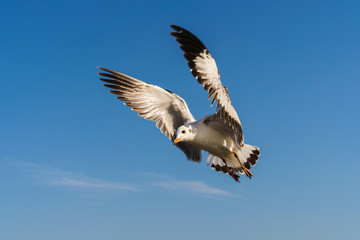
{"x":151,"y":102}
{"x":215,"y":122}
{"x":204,"y":69}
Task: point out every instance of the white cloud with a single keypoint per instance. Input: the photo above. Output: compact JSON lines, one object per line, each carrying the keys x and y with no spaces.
{"x":91,"y":184}
{"x":55,"y":177}
{"x":51,"y":176}
{"x":194,"y":187}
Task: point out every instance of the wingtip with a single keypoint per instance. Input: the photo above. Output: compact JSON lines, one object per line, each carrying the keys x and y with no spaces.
{"x":105,"y":70}
{"x":175,"y":27}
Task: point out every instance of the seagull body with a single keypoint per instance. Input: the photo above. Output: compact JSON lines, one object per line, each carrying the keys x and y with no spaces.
{"x":219,"y":134}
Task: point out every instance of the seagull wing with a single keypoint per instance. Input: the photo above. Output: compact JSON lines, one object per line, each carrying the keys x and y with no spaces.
{"x":204,"y":69}
{"x":151,"y":102}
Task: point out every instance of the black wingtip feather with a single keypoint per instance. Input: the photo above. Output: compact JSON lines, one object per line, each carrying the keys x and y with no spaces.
{"x":105,"y":75}
{"x":175,"y":34}
{"x":112,"y":86}
{"x":115,"y":92}
{"x":109,"y":80}
{"x":104,"y":69}
{"x":175,"y":27}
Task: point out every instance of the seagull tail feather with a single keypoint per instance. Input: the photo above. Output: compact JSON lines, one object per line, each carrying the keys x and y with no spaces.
{"x":249,"y":155}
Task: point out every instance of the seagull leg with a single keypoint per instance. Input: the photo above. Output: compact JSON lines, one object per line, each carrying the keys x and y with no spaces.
{"x":247,"y":171}
{"x":230,"y":172}
{"x":234,"y":176}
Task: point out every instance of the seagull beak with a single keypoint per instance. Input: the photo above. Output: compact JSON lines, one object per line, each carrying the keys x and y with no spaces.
{"x":177,"y":140}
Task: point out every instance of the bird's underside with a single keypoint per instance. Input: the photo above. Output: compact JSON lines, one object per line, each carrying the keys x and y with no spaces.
{"x":230,"y":155}
{"x":170,"y":112}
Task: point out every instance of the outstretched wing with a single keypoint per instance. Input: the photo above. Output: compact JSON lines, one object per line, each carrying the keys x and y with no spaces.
{"x":151,"y":102}
{"x":204,"y":69}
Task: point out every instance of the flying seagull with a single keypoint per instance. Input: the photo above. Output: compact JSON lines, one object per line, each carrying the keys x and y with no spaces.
{"x":219,"y":134}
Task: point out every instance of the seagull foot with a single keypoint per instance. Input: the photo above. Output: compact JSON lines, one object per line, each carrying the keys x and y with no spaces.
{"x":247,"y":172}
{"x":230,"y":171}
{"x":234,"y":176}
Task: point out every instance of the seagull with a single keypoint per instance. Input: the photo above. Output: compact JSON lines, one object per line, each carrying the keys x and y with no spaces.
{"x":219,"y":134}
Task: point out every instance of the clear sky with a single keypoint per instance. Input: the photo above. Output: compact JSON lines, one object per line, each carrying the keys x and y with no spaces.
{"x":75,"y":163}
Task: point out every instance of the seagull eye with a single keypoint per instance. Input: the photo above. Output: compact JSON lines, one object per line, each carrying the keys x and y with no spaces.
{"x":183,"y":131}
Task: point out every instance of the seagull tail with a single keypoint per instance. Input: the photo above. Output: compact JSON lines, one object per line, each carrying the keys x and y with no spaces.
{"x":249,"y":155}
{"x":246,"y":156}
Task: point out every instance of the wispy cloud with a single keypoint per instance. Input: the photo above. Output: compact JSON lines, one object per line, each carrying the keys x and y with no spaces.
{"x":51,"y":176}
{"x":193,"y":187}
{"x":54,"y":177}
{"x":91,"y":184}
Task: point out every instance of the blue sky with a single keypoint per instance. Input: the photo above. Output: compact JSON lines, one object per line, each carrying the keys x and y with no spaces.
{"x":77,"y":164}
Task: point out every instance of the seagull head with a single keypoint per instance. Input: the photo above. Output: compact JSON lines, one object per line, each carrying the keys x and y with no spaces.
{"x":184,"y":133}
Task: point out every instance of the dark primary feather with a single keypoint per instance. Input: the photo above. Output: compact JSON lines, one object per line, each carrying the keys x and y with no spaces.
{"x":151,"y":102}
{"x":204,"y":69}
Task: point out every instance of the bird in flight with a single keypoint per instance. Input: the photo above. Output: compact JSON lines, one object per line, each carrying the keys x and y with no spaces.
{"x":219,"y":134}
